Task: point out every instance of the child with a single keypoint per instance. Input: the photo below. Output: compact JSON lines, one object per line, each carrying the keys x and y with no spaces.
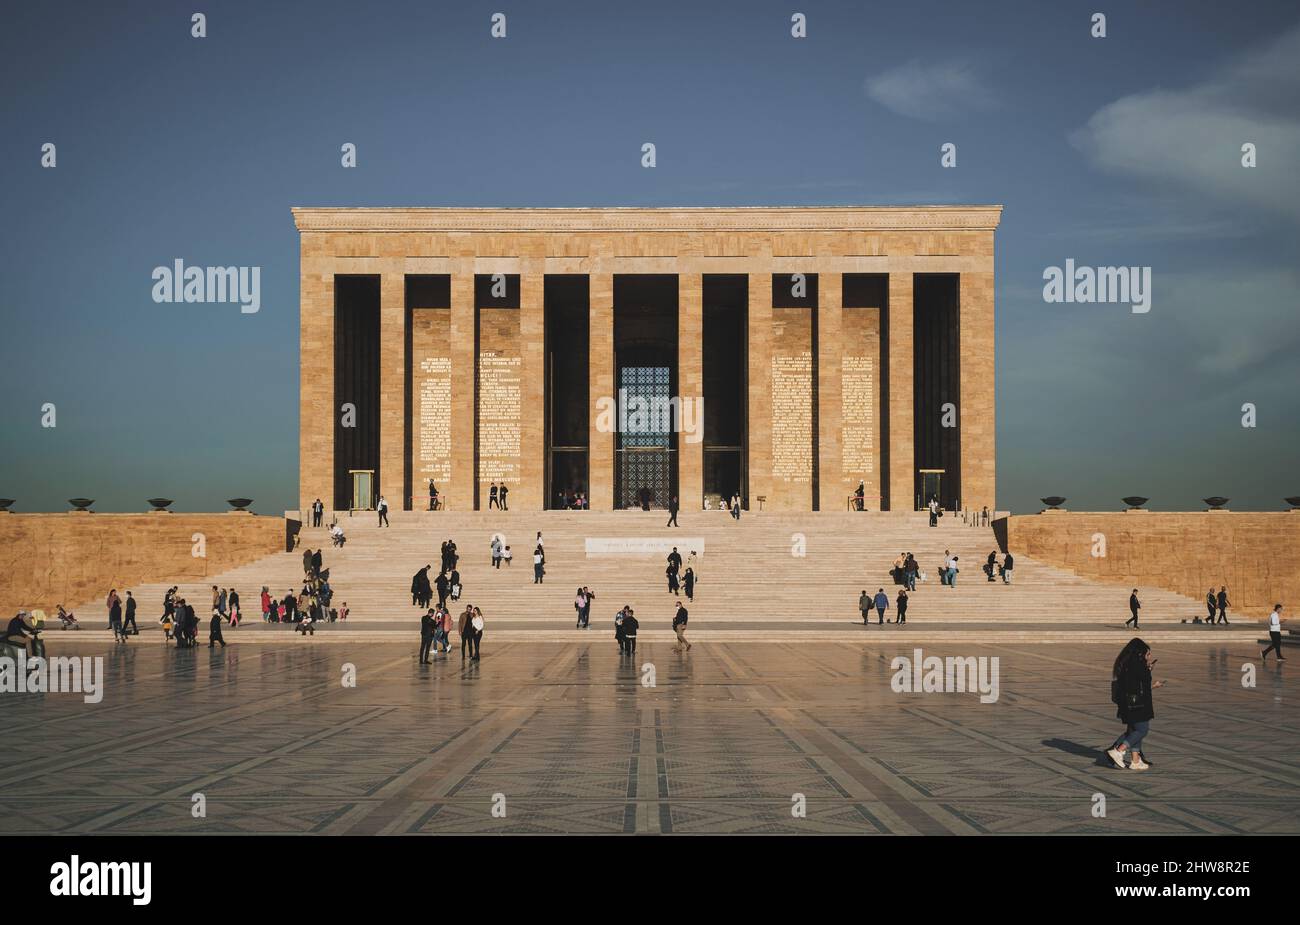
{"x":507,"y":555}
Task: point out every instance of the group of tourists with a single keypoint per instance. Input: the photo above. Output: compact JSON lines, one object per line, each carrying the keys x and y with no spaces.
{"x":880,"y":603}
{"x":436,"y":626}
{"x":680,"y":582}
{"x":497,"y":497}
{"x":1217,"y":603}
{"x":582,"y":604}
{"x":121,"y":616}
{"x":570,"y":500}
{"x":999,"y":566}
{"x":447,"y":584}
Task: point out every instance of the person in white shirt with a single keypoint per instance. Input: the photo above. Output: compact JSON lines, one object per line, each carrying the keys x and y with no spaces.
{"x":507,"y":555}
{"x":382,"y":508}
{"x":538,"y":565}
{"x":934,"y":512}
{"x":1274,"y":634}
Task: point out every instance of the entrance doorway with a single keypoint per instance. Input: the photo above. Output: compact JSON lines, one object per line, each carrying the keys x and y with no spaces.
{"x":645,"y":376}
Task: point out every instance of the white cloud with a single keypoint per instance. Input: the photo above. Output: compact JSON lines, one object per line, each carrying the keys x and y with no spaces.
{"x":1192,"y":137}
{"x":931,"y":91}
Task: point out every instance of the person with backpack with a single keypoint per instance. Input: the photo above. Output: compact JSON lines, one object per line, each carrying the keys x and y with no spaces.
{"x":1130,"y":691}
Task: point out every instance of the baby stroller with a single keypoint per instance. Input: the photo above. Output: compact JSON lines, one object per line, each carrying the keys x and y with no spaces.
{"x":68,"y":620}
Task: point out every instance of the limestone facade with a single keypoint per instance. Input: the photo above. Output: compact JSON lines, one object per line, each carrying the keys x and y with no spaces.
{"x":829,"y":388}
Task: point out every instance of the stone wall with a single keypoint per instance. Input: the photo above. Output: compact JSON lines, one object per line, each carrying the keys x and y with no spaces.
{"x":792,"y":410}
{"x":52,"y":559}
{"x":860,"y":391}
{"x":1252,"y":553}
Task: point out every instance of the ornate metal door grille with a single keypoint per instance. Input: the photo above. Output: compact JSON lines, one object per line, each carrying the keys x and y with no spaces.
{"x":644,"y":454}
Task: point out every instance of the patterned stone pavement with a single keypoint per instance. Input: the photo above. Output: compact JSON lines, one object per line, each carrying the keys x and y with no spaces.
{"x":573,"y":742}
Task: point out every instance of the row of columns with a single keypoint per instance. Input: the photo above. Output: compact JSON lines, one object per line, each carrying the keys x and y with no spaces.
{"x":317,"y":341}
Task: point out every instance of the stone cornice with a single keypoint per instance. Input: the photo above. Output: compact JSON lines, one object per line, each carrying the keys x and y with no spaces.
{"x":729,"y":219}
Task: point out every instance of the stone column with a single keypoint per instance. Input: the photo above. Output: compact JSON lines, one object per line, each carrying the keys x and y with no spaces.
{"x":978,"y":400}
{"x":464,"y":372}
{"x":759,"y":426}
{"x":831,"y":488}
{"x":600,"y":451}
{"x":392,"y":386}
{"x":529,"y":494}
{"x":317,"y":412}
{"x":690,"y":386}
{"x":902,"y":443}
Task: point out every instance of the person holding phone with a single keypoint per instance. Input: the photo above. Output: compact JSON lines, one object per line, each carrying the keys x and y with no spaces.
{"x":1131,"y":691}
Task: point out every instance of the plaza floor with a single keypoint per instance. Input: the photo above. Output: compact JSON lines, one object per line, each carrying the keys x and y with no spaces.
{"x":566,"y":737}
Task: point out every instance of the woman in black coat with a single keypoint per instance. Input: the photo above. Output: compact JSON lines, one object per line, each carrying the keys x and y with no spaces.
{"x":1131,"y":691}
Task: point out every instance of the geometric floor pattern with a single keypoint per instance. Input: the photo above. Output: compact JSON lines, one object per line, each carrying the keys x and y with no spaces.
{"x":566,"y":738}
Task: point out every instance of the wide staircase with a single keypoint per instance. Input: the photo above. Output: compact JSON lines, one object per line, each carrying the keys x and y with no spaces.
{"x":770,"y":574}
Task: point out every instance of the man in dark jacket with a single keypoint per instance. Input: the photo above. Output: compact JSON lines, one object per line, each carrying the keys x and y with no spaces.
{"x":864,"y":606}
{"x":672,"y":512}
{"x":1134,"y":605}
{"x":629,"y":632}
{"x":679,"y":627}
{"x":427,"y":628}
{"x":129,"y":620}
{"x":1221,"y":600}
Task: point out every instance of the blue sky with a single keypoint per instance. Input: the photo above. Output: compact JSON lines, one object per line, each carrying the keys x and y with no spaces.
{"x":1121,"y":150}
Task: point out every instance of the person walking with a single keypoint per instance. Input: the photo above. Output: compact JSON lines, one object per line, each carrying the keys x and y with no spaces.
{"x":679,"y":627}
{"x":619,"y":619}
{"x":1275,"y":622}
{"x":382,"y":509}
{"x":673,"y":506}
{"x":1130,"y":691}
{"x":476,"y":624}
{"x":585,"y":614}
{"x":1134,"y":605}
{"x":1211,"y":602}
{"x":108,"y":605}
{"x":115,"y":618}
{"x":953,"y":570}
{"x":688,"y":583}
{"x":466,"y":630}
{"x":428,"y":627}
{"x":539,"y":565}
{"x":496,"y":552}
{"x":444,"y":588}
{"x":882,"y":604}
{"x":671,"y":573}
{"x":902,"y":606}
{"x":1221,"y":600}
{"x":128,"y":622}
{"x":214,"y":630}
{"x":629,"y":631}
{"x":579,"y":603}
{"x":865,"y":603}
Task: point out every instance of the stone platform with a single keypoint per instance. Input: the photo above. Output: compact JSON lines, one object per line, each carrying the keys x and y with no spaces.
{"x":573,"y":742}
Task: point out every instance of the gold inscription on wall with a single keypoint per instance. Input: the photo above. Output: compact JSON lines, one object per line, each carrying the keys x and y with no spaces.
{"x":792,"y":417}
{"x":498,"y":418}
{"x":435,"y":419}
{"x":858,"y":383}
